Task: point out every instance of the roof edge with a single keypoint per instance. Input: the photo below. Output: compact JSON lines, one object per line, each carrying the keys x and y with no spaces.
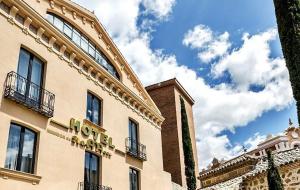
{"x":175,"y":83}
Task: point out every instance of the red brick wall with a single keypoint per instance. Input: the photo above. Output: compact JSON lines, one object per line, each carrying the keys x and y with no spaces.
{"x":164,"y":98}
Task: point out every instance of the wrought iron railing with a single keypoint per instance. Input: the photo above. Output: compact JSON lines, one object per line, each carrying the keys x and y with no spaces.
{"x":136,"y":149}
{"x":91,"y":186}
{"x":19,"y":89}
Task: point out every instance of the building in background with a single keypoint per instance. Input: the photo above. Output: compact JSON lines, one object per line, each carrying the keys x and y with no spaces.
{"x":248,"y":171}
{"x":73,"y":114}
{"x":167,"y":96}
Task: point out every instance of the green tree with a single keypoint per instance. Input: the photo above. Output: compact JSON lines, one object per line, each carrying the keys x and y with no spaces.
{"x":274,"y":179}
{"x":187,"y":150}
{"x":288,"y":21}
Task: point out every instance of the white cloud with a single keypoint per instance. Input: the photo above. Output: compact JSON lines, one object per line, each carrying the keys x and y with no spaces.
{"x":209,"y":44}
{"x":219,"y":108}
{"x":160,"y":8}
{"x":252,"y":142}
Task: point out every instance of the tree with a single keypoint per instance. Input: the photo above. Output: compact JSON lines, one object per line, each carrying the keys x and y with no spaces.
{"x":187,"y":150}
{"x":288,"y":21}
{"x":274,"y":179}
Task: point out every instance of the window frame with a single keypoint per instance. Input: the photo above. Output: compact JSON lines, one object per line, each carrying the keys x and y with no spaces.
{"x":100,"y":116}
{"x":53,"y":17}
{"x":131,"y":169}
{"x":21,"y":148}
{"x":99,"y":168}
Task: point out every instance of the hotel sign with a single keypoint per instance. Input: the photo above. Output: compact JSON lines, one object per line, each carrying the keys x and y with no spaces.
{"x":97,"y":140}
{"x":91,"y":137}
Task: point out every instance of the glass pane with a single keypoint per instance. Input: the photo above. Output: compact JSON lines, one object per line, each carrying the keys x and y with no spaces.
{"x":87,"y":167}
{"x":50,"y":18}
{"x":68,"y":30}
{"x":92,"y":50}
{"x":84,"y":44}
{"x":133,"y":176}
{"x":36,"y":79}
{"x":98,"y":57}
{"x":76,"y":38}
{"x":94,"y":169}
{"x":58,"y":23}
{"x":23,"y":63}
{"x":28,"y":152}
{"x":23,"y":66}
{"x":13,"y":147}
{"x":89,"y":108}
{"x":96,"y":110}
{"x":91,"y":171}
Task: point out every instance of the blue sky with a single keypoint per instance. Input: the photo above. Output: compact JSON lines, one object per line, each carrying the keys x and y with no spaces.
{"x":226,"y":53}
{"x":236,"y":17}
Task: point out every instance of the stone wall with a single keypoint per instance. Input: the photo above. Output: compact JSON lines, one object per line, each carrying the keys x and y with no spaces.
{"x":290,"y":175}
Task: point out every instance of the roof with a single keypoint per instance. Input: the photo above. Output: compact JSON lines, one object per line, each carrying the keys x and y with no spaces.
{"x":172,"y":82}
{"x":280,"y":159}
{"x":229,"y":163}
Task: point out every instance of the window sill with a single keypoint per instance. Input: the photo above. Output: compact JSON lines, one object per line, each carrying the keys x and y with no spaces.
{"x":7,"y":173}
{"x":88,"y":122}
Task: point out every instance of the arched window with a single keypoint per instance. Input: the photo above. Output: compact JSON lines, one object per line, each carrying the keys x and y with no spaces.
{"x":83,"y":42}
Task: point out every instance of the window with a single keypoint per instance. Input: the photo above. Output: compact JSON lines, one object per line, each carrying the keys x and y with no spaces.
{"x":58,"y":23}
{"x":30,"y":68}
{"x":92,"y":50}
{"x":133,"y":137}
{"x":68,"y":30}
{"x":93,"y":112}
{"x":84,"y":43}
{"x":133,"y":179}
{"x":20,"y":154}
{"x":91,"y":171}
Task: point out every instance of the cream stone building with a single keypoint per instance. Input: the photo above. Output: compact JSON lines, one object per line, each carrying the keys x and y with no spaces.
{"x":73,"y":114}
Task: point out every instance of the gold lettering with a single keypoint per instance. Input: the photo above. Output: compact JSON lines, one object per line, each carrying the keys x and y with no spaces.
{"x":95,"y":134}
{"x":90,"y":144}
{"x":75,"y":140}
{"x":86,"y":130}
{"x":75,"y":125}
{"x":103,"y":139}
{"x":99,"y":148}
{"x":110,"y":143}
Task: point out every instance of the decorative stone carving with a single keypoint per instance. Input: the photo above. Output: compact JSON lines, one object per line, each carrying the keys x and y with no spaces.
{"x":72,"y":57}
{"x":39,"y":35}
{"x":52,"y":4}
{"x":51,"y":43}
{"x":63,"y":10}
{"x":12,"y":14}
{"x":27,"y":23}
{"x":62,"y":51}
{"x":74,"y":15}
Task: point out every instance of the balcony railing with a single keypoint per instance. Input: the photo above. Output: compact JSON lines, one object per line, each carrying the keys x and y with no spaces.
{"x":91,"y":186}
{"x":19,"y":89}
{"x":136,"y":149}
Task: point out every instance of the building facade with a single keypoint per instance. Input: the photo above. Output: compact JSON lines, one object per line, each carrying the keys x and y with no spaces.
{"x":249,"y":170}
{"x":167,"y":97}
{"x":73,"y":114}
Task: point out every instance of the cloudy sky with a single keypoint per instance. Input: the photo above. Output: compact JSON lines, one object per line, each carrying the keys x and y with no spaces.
{"x":226,"y":53}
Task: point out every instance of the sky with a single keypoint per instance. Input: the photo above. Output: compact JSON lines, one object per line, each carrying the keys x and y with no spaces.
{"x":226,"y":53}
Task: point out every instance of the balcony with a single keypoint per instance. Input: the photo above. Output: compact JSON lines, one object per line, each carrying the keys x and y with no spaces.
{"x":135,"y":149}
{"x":20,"y":90}
{"x":91,"y":186}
